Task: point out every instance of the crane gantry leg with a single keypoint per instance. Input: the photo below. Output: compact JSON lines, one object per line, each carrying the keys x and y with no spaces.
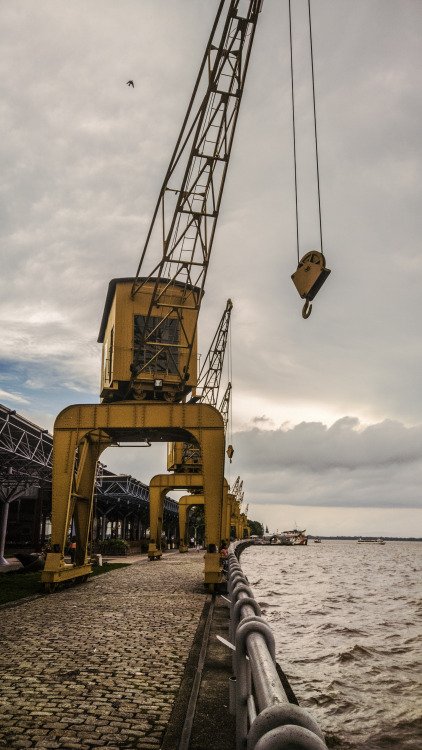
{"x":225,"y":525}
{"x":214,"y":501}
{"x":82,"y":432}
{"x":158,"y":488}
{"x":186,"y":502}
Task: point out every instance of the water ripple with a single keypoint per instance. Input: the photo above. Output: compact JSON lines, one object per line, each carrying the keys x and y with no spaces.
{"x":347,"y":627}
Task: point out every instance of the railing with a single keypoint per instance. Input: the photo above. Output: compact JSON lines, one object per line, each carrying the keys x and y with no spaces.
{"x":266,"y":717}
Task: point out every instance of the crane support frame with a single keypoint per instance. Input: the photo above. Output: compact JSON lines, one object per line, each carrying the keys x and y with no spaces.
{"x":215,"y":516}
{"x":83,"y":431}
{"x":185,"y":503}
{"x":188,"y":501}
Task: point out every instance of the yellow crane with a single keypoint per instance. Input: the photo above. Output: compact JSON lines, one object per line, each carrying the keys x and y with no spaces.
{"x":149,"y":325}
{"x":150,"y":321}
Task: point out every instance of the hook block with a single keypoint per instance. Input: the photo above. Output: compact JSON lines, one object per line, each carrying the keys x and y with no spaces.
{"x":310,"y":275}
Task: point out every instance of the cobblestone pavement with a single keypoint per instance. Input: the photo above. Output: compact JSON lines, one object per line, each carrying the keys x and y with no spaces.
{"x":99,"y":665}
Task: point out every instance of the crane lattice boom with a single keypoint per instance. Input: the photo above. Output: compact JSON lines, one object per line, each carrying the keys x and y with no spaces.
{"x":210,"y":374}
{"x":209,"y":383}
{"x":183,"y":226}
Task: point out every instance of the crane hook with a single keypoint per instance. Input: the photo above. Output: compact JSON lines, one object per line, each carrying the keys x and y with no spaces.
{"x":305,"y":311}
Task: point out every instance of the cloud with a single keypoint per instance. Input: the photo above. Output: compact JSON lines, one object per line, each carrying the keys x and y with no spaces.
{"x":347,"y":444}
{"x":12,"y":397}
{"x":264,"y":420}
{"x":345,"y":465}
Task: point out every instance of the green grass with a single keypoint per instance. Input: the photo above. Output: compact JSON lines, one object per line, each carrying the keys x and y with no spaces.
{"x":14,"y":586}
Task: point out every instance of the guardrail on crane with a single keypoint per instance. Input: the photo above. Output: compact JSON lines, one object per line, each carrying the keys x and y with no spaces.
{"x":266,"y":717}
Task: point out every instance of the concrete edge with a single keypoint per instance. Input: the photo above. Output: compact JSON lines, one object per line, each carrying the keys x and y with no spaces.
{"x":174,"y":729}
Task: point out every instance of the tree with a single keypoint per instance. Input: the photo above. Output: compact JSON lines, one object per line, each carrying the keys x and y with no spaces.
{"x":256,"y":527}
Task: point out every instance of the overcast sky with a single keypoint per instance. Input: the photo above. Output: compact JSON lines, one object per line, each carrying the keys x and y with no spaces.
{"x":327,"y":412}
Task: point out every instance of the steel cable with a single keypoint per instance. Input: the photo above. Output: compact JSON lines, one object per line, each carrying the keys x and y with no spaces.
{"x":294,"y":128}
{"x":315,"y":124}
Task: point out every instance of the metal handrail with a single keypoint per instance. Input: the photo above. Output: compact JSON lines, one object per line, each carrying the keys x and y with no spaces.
{"x":265,"y":719}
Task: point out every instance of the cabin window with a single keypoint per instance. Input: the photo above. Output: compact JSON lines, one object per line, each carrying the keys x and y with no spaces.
{"x":161,"y":349}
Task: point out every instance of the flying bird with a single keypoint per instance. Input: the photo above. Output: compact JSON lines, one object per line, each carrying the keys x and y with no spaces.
{"x":130,"y":83}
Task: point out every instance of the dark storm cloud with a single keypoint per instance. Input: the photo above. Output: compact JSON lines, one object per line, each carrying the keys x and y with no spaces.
{"x":346,"y":444}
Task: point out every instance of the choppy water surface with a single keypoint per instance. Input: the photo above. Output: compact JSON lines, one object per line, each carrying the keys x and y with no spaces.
{"x":347,"y":622}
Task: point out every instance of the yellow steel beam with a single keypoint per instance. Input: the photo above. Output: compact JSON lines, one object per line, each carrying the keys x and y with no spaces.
{"x":186,"y":502}
{"x":82,"y":432}
{"x":158,"y":488}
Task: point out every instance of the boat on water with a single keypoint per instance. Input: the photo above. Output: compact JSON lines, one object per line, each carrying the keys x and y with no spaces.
{"x":296,"y":537}
{"x":370,"y":541}
{"x":279,"y":539}
{"x":317,"y":540}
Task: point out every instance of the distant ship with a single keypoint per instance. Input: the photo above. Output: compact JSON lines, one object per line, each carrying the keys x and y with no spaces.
{"x":370,"y":541}
{"x":296,"y":537}
{"x":317,"y":540}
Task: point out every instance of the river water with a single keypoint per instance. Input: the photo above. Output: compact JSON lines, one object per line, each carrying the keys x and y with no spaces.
{"x":347,"y":623}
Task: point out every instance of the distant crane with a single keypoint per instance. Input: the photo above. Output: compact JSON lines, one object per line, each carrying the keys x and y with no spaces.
{"x":238,"y":520}
{"x":212,"y":367}
{"x":187,"y":456}
{"x":224,"y":410}
{"x":237,"y":491}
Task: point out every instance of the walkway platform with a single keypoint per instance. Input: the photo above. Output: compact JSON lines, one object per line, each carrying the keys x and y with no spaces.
{"x":110,"y":664}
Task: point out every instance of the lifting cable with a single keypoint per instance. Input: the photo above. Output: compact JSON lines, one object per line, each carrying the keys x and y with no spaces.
{"x":315,"y":125}
{"x":294,"y":127}
{"x":229,"y":439}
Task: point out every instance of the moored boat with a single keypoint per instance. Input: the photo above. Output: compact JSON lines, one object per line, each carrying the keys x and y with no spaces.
{"x":296,"y":537}
{"x":317,"y":540}
{"x":279,"y":539}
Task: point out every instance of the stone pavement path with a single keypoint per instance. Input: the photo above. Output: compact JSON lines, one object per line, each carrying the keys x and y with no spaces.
{"x":99,"y":665}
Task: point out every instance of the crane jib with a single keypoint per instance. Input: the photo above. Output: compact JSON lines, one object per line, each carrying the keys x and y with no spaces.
{"x":165,"y":296}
